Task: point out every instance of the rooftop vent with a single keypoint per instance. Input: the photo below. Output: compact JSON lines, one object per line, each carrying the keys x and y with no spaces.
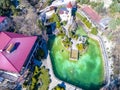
{"x":10,"y":48}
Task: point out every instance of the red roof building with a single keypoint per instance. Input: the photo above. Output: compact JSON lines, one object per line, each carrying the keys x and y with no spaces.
{"x":69,"y":5}
{"x":2,"y":19}
{"x":14,"y":50}
{"x":91,"y":14}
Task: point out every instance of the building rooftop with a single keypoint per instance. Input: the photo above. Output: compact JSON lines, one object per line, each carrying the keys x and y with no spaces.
{"x":2,"y":18}
{"x":20,"y":46}
{"x":91,"y":13}
{"x":69,"y":5}
{"x":61,"y":11}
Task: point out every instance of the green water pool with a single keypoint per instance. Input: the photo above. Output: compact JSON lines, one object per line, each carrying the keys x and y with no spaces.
{"x":86,"y":73}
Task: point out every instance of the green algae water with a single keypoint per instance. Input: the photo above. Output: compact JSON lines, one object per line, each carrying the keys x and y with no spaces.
{"x":86,"y":73}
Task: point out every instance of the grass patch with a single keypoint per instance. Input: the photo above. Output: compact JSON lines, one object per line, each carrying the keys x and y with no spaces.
{"x":90,"y":64}
{"x":94,"y":31}
{"x":80,"y":31}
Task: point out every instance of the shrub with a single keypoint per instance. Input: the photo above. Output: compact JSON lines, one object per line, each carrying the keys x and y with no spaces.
{"x":88,"y":24}
{"x":80,"y":47}
{"x":94,"y":31}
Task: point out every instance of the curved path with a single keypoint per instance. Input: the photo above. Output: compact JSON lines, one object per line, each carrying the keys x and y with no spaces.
{"x":104,"y":54}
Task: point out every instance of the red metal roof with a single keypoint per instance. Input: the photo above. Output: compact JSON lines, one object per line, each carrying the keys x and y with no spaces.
{"x":91,"y":13}
{"x":2,"y":18}
{"x":14,"y":61}
{"x":69,"y":5}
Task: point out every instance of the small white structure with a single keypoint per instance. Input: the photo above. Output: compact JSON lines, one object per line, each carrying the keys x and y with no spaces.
{"x":104,"y":23}
{"x":65,"y":12}
{"x":49,"y":14}
{"x":81,"y":39}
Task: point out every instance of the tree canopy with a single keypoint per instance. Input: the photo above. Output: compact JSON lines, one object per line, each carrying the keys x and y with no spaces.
{"x":114,"y":23}
{"x":100,"y":7}
{"x":7,"y":7}
{"x":115,"y":7}
{"x":56,"y":18}
{"x":94,"y":31}
{"x":83,"y":1}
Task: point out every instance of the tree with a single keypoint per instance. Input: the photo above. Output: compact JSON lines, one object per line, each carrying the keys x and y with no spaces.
{"x":14,"y":10}
{"x":99,"y":7}
{"x":114,"y":23}
{"x":94,"y":31}
{"x":33,"y":2}
{"x":80,"y":47}
{"x":83,"y":1}
{"x":40,"y":54}
{"x":6,"y":7}
{"x":93,"y":4}
{"x":88,"y":24}
{"x":115,"y":7}
{"x":58,"y":88}
{"x":5,"y":4}
{"x":49,"y":2}
{"x":56,"y":18}
{"x":40,"y":25}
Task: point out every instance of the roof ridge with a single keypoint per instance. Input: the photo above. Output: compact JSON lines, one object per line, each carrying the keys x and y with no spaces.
{"x":17,"y":33}
{"x":10,"y":62}
{"x":7,"y":34}
{"x":26,"y":37}
{"x":8,"y":41}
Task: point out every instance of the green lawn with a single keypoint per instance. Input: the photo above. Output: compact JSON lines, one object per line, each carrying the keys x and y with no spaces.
{"x":87,"y":72}
{"x":80,"y":31}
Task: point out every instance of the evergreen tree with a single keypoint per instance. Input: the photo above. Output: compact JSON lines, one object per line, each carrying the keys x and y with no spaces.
{"x":6,"y":7}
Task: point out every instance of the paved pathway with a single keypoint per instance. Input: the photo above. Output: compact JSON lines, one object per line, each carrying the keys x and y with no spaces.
{"x":104,"y":54}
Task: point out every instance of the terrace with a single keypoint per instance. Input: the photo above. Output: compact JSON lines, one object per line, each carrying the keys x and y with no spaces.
{"x":74,"y":54}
